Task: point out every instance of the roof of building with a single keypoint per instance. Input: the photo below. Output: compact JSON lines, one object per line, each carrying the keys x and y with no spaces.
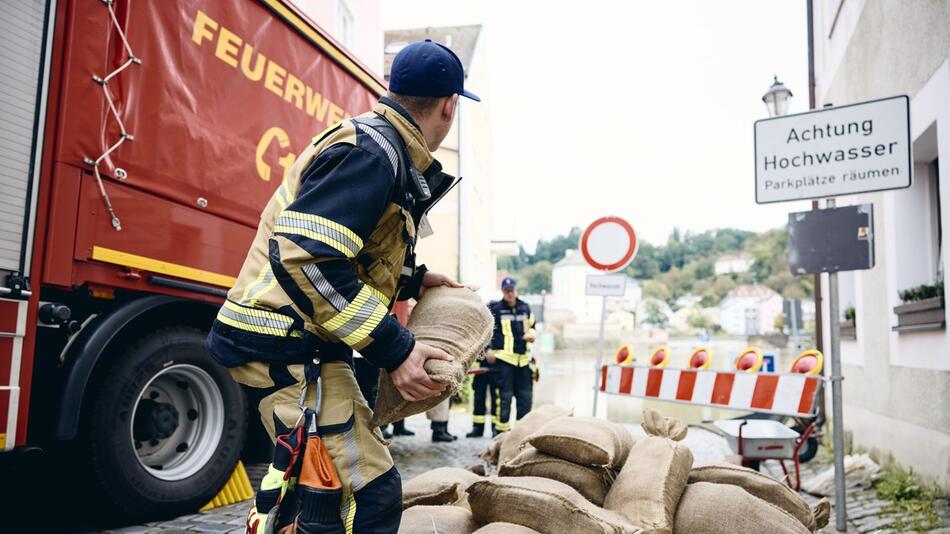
{"x":733,"y":257}
{"x":461,"y":39}
{"x":752,"y":291}
{"x":571,"y":257}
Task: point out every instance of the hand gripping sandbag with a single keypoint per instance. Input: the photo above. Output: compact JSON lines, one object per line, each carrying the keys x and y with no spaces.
{"x":766,"y":488}
{"x":649,"y":486}
{"x":454,"y":320}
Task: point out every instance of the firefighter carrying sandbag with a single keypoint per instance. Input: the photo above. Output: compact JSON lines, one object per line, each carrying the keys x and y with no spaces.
{"x":334,"y":251}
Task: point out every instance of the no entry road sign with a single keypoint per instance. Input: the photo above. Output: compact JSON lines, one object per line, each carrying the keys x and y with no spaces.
{"x":609,"y":244}
{"x":844,"y":150}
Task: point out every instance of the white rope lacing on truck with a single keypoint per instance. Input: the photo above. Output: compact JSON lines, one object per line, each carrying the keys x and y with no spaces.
{"x":124,"y":135}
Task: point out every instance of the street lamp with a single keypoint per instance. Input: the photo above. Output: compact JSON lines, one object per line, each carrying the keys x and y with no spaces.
{"x":776,"y":99}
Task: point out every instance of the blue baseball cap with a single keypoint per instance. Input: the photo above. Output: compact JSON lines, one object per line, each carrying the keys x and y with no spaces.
{"x":508,"y":282}
{"x":425,"y":68}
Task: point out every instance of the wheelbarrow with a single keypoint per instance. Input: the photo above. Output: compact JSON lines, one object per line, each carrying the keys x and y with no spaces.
{"x":763,"y":439}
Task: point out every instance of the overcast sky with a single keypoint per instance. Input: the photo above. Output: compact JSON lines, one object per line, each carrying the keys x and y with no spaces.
{"x":637,"y":109}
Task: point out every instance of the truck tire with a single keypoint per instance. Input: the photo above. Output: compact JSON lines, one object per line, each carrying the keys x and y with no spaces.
{"x":167,"y":427}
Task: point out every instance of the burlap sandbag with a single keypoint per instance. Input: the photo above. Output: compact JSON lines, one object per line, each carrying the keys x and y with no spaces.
{"x":707,"y":508}
{"x":437,"y":520}
{"x":762,"y":486}
{"x":649,"y":486}
{"x":591,"y":482}
{"x":492,"y":452}
{"x":454,"y":320}
{"x":584,"y":441}
{"x":545,"y":505}
{"x":526,"y":426}
{"x":505,"y":528}
{"x":445,"y":485}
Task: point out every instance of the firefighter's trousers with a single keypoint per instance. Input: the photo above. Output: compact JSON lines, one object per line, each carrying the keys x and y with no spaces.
{"x":515,"y":382}
{"x":482,"y":384}
{"x":372,"y":490}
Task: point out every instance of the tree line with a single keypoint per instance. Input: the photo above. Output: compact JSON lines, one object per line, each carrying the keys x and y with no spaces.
{"x":684,"y":265}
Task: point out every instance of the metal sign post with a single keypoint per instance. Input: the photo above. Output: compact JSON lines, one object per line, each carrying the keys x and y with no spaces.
{"x":609,"y":244}
{"x":605,"y":285}
{"x":837,"y":411}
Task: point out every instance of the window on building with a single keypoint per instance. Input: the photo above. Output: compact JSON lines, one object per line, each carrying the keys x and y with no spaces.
{"x":345,"y":24}
{"x":918,"y":220}
{"x":936,"y":219}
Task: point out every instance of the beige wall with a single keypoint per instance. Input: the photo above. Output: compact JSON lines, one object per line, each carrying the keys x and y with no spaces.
{"x":368,"y":33}
{"x":897,"y":384}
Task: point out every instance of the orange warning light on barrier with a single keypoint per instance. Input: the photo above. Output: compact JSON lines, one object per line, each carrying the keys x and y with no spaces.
{"x":809,"y":362}
{"x":750,"y":360}
{"x":624,"y":355}
{"x":700,"y":359}
{"x":660,"y":356}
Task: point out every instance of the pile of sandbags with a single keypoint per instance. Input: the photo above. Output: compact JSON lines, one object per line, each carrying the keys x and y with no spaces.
{"x":582,"y":452}
{"x":448,"y":318}
{"x":558,"y":473}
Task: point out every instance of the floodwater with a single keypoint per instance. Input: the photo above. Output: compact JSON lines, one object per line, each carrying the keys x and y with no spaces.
{"x":568,"y":377}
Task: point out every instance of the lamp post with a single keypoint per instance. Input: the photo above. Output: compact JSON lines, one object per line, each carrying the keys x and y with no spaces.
{"x":776,"y":99}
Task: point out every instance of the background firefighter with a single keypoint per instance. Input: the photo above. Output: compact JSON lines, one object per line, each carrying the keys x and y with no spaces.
{"x":333,"y":252}
{"x":512,"y":366}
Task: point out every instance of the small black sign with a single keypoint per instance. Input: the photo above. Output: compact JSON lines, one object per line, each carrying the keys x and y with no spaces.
{"x":831,"y":240}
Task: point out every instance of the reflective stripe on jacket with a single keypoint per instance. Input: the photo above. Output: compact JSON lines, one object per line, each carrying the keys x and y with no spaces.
{"x":511,"y":325}
{"x":324,"y":269}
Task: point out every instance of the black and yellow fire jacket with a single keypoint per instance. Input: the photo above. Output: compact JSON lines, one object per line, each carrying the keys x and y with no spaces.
{"x":511,"y":325}
{"x":334,"y":249}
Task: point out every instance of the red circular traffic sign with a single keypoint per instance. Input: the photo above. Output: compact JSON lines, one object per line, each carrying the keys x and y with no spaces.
{"x":609,"y":244}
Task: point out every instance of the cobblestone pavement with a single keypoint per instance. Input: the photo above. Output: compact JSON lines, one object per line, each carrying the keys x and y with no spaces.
{"x":417,"y":454}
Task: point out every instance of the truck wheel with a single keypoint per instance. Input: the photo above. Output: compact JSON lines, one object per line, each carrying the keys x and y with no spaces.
{"x":167,"y":427}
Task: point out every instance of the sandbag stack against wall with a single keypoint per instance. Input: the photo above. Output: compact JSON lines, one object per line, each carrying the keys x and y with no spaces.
{"x":649,"y":486}
{"x":766,"y":488}
{"x":454,"y":320}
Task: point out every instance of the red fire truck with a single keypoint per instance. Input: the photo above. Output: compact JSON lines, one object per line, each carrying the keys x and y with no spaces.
{"x":139,"y":141}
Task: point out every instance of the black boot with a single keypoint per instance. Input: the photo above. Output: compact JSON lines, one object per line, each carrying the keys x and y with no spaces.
{"x":440,"y":432}
{"x":399,"y":429}
{"x":478,"y":430}
{"x":495,"y":431}
{"x":386,"y":434}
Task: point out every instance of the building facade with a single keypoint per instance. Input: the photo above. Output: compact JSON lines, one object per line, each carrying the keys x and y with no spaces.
{"x":897,"y":379}
{"x":569,"y":291}
{"x":356,"y":24}
{"x":750,"y":310}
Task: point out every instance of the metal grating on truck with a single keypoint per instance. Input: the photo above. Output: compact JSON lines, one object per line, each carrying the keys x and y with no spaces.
{"x":22,"y":30}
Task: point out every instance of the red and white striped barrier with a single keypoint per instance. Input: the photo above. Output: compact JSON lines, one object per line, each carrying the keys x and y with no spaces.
{"x":785,"y":394}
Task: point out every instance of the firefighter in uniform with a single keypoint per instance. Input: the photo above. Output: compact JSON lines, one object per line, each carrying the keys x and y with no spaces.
{"x":333,"y":253}
{"x":482,"y":384}
{"x":514,"y":369}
